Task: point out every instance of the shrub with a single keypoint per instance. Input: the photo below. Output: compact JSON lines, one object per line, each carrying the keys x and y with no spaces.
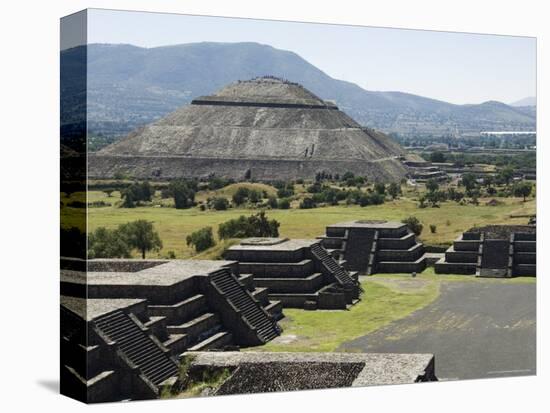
{"x":414,"y":225}
{"x":183,"y":192}
{"x":394,"y":190}
{"x":433,"y":228}
{"x":284,"y":189}
{"x":220,"y":203}
{"x":108,"y":243}
{"x":218,"y":183}
{"x":201,"y":239}
{"x":272,"y":202}
{"x":380,"y":188}
{"x":308,"y":203}
{"x":136,"y":193}
{"x":284,"y":203}
{"x":253,"y":226}
{"x":241,"y":195}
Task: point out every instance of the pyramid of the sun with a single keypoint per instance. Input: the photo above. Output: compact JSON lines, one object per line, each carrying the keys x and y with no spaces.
{"x":264,"y":129}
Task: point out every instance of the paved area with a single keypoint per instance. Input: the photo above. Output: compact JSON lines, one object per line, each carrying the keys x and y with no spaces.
{"x":475,"y":329}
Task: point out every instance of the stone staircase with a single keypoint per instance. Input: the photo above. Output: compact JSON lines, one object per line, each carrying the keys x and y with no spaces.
{"x":191,"y":325}
{"x":137,"y":346}
{"x":341,"y":275}
{"x":243,"y":301}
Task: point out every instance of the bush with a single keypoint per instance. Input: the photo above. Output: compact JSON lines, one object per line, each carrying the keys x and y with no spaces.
{"x":373,"y":198}
{"x":308,"y":203}
{"x":272,"y":202}
{"x":220,"y":203}
{"x":394,"y":190}
{"x":284,"y":203}
{"x":108,"y":243}
{"x":201,"y":239}
{"x":414,"y":225}
{"x":253,"y":226}
{"x":241,"y":195}
{"x":433,"y":228}
{"x":284,"y":189}
{"x":135,"y":193}
{"x":218,"y":183}
{"x":380,"y":188}
{"x":183,"y":192}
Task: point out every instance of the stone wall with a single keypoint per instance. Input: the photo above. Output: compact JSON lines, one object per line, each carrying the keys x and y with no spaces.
{"x":166,"y":167}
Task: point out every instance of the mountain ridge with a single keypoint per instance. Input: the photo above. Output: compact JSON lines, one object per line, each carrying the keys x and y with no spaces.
{"x":130,"y":86}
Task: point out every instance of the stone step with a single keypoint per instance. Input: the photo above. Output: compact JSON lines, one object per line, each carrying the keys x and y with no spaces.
{"x":283,"y":269}
{"x":275,"y":309}
{"x":181,"y":310}
{"x":444,"y":267}
{"x":401,"y":266}
{"x":287,"y":285}
{"x":218,"y":340}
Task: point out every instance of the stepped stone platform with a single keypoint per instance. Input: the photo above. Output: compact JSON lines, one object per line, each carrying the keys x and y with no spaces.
{"x":497,"y":251}
{"x":268,"y":372}
{"x":108,"y":354}
{"x":299,"y":273}
{"x":264,"y":128}
{"x":140,"y":316}
{"x":423,"y":171}
{"x":374,"y":246}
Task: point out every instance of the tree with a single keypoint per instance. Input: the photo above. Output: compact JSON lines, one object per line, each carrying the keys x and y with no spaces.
{"x":307,"y":203}
{"x":506,"y":175}
{"x":380,"y":188}
{"x":241,"y":195}
{"x":284,"y":203}
{"x":141,"y":235}
{"x":470,"y":183}
{"x":183,"y":193}
{"x":432,"y":185}
{"x":414,"y":225}
{"x":522,"y":189}
{"x":394,"y":190}
{"x":488,"y":181}
{"x":201,"y":239}
{"x":437,"y":157}
{"x":272,"y":202}
{"x":108,"y":243}
{"x":253,"y":226}
{"x":220,"y":203}
{"x":136,"y":193}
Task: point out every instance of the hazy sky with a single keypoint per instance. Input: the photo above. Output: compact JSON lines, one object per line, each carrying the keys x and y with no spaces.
{"x":455,"y":67}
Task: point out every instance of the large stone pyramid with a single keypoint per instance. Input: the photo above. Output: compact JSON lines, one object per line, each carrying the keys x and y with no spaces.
{"x":265,"y":129}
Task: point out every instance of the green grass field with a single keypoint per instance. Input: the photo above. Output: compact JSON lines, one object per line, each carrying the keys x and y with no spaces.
{"x":326,"y":330}
{"x":174,"y":225}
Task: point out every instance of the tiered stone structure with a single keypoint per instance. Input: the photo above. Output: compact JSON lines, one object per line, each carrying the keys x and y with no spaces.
{"x":423,"y":171}
{"x":299,"y":273}
{"x":264,"y":129}
{"x":142,"y":315}
{"x":110,"y":353}
{"x":501,"y":251}
{"x":371,"y":246}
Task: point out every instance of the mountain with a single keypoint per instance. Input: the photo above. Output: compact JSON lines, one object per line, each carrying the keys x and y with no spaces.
{"x":130,"y":86}
{"x":528,"y":101}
